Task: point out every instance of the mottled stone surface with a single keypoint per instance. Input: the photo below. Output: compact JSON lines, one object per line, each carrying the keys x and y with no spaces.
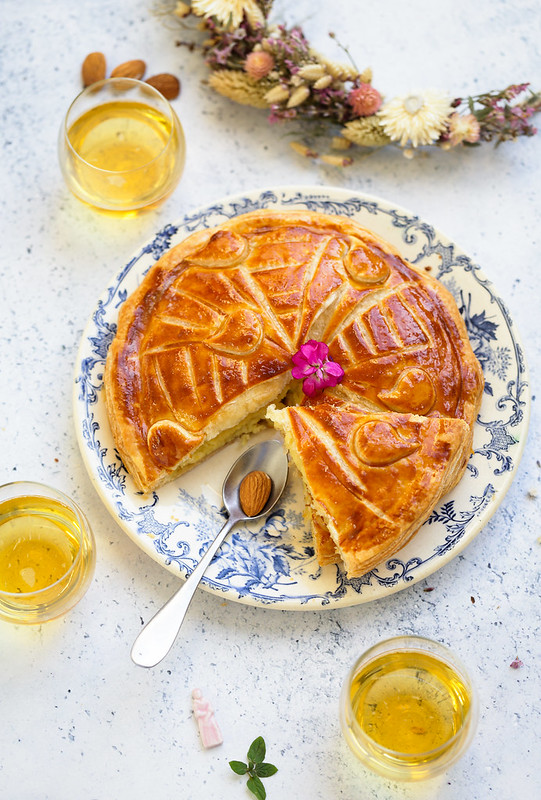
{"x":78,"y":719}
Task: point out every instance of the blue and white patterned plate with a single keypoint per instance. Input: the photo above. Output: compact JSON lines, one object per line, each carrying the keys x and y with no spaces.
{"x":272,"y":563}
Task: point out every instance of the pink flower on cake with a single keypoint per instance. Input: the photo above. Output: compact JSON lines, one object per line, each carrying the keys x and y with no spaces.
{"x":313,"y":363}
{"x":364,"y":100}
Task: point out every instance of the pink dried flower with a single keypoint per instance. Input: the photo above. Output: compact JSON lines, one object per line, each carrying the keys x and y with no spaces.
{"x":258,"y":64}
{"x":312,"y":362}
{"x":463,"y":128}
{"x":279,"y":114}
{"x":514,"y":90}
{"x":516,"y":664}
{"x":499,"y":120}
{"x":364,"y":100}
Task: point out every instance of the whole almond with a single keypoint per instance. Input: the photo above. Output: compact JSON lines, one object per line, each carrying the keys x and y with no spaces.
{"x":130,"y":69}
{"x":254,"y":492}
{"x":166,"y":84}
{"x":93,"y":68}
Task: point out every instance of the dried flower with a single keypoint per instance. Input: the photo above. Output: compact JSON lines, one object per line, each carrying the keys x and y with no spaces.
{"x":463,"y":128}
{"x":324,"y":82}
{"x":364,"y":100}
{"x":366,"y":75}
{"x":312,"y":72}
{"x":258,"y":64}
{"x":312,"y":362}
{"x":277,"y":95}
{"x":366,"y":132}
{"x":417,"y":118}
{"x":340,"y":143}
{"x":303,"y":150}
{"x":238,"y":87}
{"x":181,"y":9}
{"x":298,"y":96}
{"x":337,"y":161}
{"x":516,"y":664}
{"x":499,"y":118}
{"x":342,"y":72}
{"x":229,"y":13}
{"x":274,"y":67}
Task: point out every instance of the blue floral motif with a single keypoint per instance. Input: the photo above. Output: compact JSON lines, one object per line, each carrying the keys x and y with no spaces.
{"x":455,"y":523}
{"x":500,"y":439}
{"x":276,"y":564}
{"x":247,"y":562}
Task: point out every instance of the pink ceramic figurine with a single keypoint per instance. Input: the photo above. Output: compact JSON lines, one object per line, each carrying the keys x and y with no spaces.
{"x":208,"y":728}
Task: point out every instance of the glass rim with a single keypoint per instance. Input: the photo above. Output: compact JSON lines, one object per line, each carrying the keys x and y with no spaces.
{"x":134,"y":83}
{"x":84,"y":530}
{"x":395,"y":756}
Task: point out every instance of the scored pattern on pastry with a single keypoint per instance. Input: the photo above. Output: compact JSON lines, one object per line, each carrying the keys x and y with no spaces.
{"x":370,"y":479}
{"x":379,"y":443}
{"x":414,"y":391}
{"x":204,"y":345}
{"x":366,"y":267}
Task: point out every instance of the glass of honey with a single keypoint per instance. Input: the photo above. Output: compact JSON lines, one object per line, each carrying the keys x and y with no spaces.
{"x":47,"y":553}
{"x":408,"y":709}
{"x":121,"y":146}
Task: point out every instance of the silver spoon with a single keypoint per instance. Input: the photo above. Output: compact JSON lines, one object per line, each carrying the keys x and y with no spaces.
{"x":267,"y":459}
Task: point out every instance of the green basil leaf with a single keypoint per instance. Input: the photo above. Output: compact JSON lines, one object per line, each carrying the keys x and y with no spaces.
{"x":239,"y":767}
{"x":257,"y":750}
{"x":256,"y":787}
{"x":265,"y":770}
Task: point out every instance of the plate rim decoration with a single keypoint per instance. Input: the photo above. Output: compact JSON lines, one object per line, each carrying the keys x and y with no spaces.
{"x":272,"y":564}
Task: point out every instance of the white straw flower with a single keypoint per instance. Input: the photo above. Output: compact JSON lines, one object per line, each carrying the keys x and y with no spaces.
{"x":229,"y":12}
{"x":416,"y":118}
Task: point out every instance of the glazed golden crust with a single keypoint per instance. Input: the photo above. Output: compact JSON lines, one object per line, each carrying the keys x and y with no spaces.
{"x":205,"y":343}
{"x":371,"y":479}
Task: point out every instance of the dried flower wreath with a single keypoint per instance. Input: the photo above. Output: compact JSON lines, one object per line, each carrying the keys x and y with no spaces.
{"x":272,"y":67}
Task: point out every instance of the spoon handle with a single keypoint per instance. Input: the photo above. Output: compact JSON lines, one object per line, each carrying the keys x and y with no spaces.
{"x":159,"y":634}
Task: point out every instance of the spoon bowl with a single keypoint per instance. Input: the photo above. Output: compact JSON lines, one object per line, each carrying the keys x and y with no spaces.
{"x":267,"y":456}
{"x":159,"y":634}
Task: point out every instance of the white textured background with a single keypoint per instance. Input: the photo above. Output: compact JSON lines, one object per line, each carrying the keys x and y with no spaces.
{"x":77,"y":719}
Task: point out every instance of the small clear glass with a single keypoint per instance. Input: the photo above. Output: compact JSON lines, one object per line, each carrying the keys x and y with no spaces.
{"x":47,"y":553}
{"x":121,"y":146}
{"x":408,"y":709}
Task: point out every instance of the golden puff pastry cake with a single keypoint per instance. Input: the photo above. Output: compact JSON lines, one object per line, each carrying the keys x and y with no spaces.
{"x":204,"y":346}
{"x":370,"y":479}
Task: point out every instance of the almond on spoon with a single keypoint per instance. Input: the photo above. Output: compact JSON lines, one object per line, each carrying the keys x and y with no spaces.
{"x":254,"y":492}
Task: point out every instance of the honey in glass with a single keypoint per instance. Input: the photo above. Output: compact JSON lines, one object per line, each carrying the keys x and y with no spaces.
{"x":121,"y":147}
{"x":46,"y":553}
{"x":408,"y":708}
